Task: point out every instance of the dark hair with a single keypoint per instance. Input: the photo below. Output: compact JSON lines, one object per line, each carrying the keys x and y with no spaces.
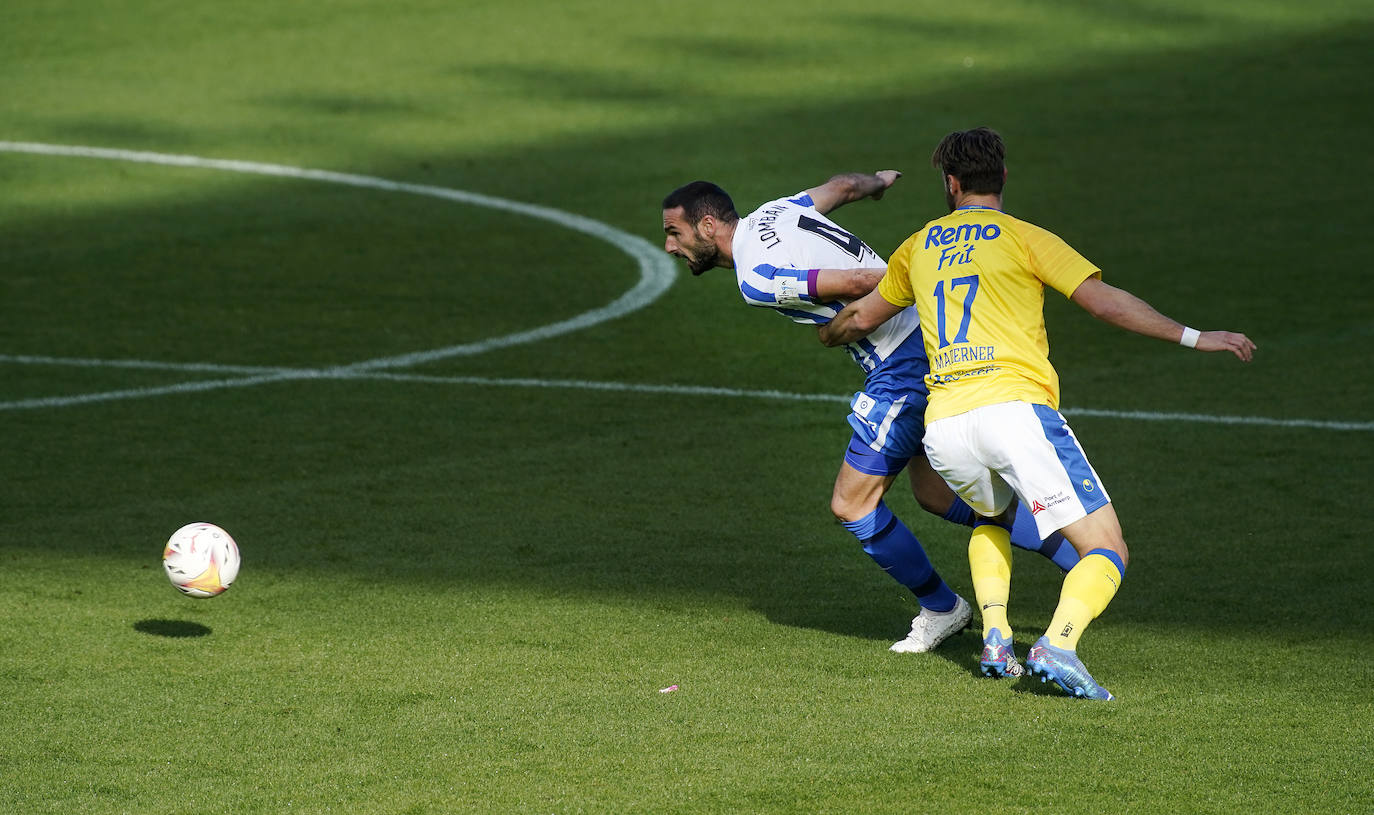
{"x":699,"y":199}
{"x":976,"y":157}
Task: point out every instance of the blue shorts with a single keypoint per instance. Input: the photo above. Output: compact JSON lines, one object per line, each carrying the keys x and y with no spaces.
{"x":888,"y":429}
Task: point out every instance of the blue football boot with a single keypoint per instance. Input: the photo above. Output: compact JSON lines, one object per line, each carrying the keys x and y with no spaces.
{"x":999,"y":658}
{"x":1067,"y":671}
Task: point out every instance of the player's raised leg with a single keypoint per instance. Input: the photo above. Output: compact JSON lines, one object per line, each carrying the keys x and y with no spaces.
{"x":857,"y":503}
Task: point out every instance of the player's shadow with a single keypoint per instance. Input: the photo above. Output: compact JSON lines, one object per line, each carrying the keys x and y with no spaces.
{"x":176,"y":629}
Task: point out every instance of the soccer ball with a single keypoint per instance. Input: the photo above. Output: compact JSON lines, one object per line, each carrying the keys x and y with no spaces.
{"x":201,"y":560}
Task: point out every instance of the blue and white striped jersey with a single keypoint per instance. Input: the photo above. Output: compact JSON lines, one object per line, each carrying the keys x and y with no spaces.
{"x":779,"y":247}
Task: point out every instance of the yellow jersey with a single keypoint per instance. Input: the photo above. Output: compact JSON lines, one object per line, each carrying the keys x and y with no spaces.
{"x":977,"y":278}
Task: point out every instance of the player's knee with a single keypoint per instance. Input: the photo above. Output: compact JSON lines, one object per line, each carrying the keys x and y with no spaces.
{"x":852,"y":508}
{"x":1100,"y":530}
{"x":1116,"y":543}
{"x":1116,"y":546}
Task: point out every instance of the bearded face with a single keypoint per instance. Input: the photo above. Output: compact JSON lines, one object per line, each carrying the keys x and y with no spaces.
{"x":686,"y":241}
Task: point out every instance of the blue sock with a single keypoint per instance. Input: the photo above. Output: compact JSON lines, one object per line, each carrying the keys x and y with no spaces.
{"x":1025,"y":535}
{"x":959,"y":513}
{"x":892,"y":546}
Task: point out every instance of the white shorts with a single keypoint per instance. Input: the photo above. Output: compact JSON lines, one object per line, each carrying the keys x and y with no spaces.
{"x":991,"y":453}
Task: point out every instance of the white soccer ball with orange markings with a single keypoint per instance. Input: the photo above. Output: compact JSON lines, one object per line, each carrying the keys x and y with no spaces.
{"x":201,"y":560}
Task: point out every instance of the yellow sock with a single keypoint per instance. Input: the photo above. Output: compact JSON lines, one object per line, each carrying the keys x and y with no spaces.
{"x":1088,"y":588}
{"x":989,"y":561}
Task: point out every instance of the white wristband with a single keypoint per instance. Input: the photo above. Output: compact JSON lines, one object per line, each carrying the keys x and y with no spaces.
{"x":1189,"y":338}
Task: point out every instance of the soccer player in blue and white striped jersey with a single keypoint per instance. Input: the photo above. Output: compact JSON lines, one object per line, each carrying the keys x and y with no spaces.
{"x":790,"y":257}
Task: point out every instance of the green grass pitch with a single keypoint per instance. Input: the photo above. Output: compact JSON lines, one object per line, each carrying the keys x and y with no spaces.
{"x":466,"y":582}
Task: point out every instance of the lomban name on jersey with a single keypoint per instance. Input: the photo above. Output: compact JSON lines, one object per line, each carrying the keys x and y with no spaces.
{"x":764,"y":223}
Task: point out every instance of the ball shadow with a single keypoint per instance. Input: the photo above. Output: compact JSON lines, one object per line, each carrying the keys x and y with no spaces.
{"x":172,"y":628}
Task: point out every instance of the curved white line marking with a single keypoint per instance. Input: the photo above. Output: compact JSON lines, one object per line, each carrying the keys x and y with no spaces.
{"x":656,"y":271}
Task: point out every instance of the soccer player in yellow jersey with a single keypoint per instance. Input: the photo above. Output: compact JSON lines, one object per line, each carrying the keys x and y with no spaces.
{"x":993,"y":429}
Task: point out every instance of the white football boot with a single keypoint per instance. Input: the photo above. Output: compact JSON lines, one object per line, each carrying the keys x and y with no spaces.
{"x":931,"y":628}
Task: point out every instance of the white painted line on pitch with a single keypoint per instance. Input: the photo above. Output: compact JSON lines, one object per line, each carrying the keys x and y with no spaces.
{"x":143,"y":364}
{"x":1145,"y":416}
{"x":697,"y":390}
{"x":164,"y":390}
{"x":346,"y":372}
{"x":656,"y":271}
{"x":621,"y":387}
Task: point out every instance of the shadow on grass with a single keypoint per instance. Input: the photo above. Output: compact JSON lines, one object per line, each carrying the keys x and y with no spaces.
{"x":175,"y":629}
{"x":1033,"y":686}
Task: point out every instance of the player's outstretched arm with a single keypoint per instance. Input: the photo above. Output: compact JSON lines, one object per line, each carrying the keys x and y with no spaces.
{"x":1125,"y":310}
{"x":827,"y":285}
{"x":846,"y":284}
{"x":849,"y":187}
{"x":858,"y":319}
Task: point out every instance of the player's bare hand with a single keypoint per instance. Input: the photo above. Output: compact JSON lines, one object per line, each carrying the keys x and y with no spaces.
{"x":1238,"y":344}
{"x":888,"y":178}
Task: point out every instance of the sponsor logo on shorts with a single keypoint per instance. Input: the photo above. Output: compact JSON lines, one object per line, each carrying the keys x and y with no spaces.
{"x":1037,"y":507}
{"x":1051,"y":501}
